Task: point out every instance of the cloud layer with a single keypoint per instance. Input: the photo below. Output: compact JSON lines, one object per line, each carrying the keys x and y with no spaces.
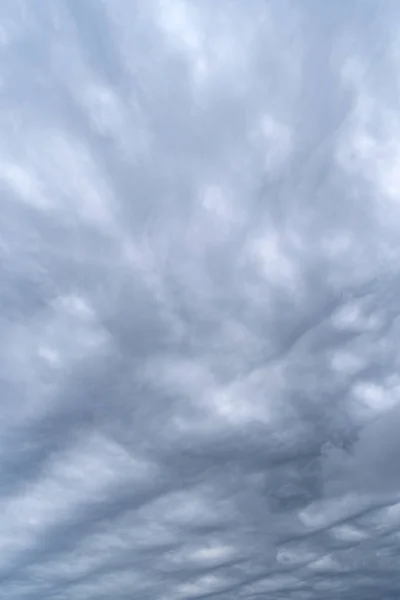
{"x":199,"y":300}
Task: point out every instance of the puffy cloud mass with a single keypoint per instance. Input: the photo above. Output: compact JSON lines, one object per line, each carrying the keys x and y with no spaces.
{"x":199,"y":299}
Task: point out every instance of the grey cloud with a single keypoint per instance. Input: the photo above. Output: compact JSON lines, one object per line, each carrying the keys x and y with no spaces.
{"x":198,"y":300}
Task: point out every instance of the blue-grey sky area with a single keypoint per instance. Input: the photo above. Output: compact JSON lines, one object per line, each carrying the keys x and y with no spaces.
{"x":199,"y":299}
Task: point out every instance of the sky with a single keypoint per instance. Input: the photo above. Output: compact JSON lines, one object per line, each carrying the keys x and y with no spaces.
{"x":199,"y":300}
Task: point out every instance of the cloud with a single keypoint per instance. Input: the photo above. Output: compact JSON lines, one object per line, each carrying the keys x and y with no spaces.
{"x":198,"y":298}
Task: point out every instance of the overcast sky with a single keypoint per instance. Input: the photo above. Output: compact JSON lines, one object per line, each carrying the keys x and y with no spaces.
{"x":199,"y":299}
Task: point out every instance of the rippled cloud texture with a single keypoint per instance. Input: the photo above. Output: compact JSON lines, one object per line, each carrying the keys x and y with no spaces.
{"x":200,"y":299}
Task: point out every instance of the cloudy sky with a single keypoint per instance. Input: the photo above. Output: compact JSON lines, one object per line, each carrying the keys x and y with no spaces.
{"x":199,"y":299}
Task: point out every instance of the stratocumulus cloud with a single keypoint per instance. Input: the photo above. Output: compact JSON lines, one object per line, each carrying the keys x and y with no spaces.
{"x":199,"y":299}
